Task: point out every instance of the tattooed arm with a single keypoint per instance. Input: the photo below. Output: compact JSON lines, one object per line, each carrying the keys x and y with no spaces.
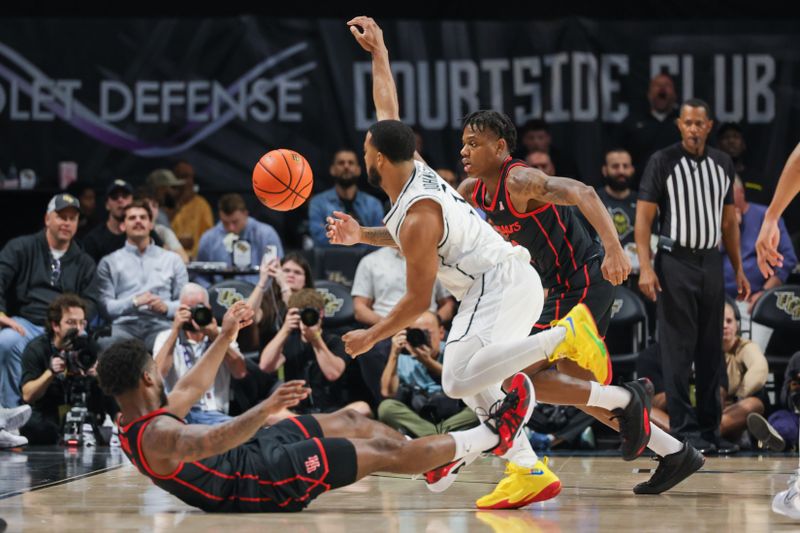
{"x":345,"y":230}
{"x":525,"y":184}
{"x":169,"y":442}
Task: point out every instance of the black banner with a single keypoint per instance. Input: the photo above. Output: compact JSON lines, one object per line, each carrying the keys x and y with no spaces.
{"x":121,"y":97}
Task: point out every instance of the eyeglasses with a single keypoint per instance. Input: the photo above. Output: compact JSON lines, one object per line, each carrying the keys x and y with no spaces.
{"x":55,"y":270}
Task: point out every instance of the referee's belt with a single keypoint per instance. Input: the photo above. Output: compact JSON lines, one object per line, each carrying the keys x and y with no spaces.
{"x":669,"y":245}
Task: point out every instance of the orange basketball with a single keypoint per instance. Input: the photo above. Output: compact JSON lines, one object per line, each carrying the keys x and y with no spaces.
{"x":282,"y":179}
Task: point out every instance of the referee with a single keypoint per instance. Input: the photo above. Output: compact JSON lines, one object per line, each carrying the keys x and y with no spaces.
{"x":690,"y":185}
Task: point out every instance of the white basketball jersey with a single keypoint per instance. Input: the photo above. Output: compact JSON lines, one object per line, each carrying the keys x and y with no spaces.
{"x":469,"y":246}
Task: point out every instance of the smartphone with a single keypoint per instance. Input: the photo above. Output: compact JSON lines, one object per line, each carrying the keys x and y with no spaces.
{"x":270,"y":253}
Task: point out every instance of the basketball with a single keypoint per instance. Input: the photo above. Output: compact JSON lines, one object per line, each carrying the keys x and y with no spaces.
{"x":282,"y":179}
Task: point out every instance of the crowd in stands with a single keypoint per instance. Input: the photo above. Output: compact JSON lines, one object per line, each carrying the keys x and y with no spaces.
{"x":141,"y":272}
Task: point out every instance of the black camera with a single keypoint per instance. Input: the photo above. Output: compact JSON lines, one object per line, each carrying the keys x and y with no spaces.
{"x":79,"y":351}
{"x":201,"y":315}
{"x":416,"y":337}
{"x":309,"y":316}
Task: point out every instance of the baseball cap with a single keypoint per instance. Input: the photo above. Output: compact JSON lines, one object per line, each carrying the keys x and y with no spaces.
{"x":118,"y":184}
{"x":163,"y":177}
{"x":62,"y":201}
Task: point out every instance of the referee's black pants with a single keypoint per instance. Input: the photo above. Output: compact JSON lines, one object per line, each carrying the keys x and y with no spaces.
{"x":690,"y":312}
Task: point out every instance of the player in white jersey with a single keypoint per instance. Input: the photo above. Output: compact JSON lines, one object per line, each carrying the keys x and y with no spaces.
{"x":441,"y":235}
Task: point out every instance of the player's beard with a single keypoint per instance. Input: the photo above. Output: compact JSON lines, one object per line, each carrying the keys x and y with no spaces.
{"x":373,"y":177}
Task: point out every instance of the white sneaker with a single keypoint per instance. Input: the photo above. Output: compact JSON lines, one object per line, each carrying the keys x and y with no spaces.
{"x":7,"y":440}
{"x":787,"y":502}
{"x":88,"y":435}
{"x":14,"y":417}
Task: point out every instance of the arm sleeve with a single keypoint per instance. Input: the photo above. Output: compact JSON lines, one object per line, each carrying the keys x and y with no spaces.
{"x":316,"y":222}
{"x":32,"y":359}
{"x":651,"y":187}
{"x":9,"y":262}
{"x":362,"y":281}
{"x":755,"y":376}
{"x":787,"y":251}
{"x":114,"y":307}
{"x":88,"y":287}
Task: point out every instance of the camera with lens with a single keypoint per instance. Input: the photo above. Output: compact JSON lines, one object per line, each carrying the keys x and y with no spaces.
{"x":417,"y":338}
{"x":79,"y":351}
{"x":309,"y":316}
{"x":201,"y":315}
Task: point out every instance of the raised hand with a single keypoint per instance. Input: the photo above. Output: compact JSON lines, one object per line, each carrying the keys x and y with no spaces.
{"x":343,"y":229}
{"x":367,"y":33}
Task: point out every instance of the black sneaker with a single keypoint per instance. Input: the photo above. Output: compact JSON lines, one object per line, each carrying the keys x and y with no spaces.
{"x":672,"y":469}
{"x":726,"y":447}
{"x":701,"y":445}
{"x":766,"y":435}
{"x":634,"y":419}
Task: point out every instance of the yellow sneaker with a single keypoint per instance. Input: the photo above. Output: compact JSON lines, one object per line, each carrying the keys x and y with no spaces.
{"x":583,"y":343}
{"x":522,"y":486}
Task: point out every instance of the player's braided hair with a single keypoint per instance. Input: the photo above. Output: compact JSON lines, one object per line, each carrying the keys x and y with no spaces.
{"x":496,"y":122}
{"x":120,"y":367}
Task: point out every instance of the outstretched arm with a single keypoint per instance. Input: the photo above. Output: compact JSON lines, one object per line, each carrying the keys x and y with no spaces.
{"x":420,"y":234}
{"x":384,"y":91}
{"x":169,"y":442}
{"x":199,"y":379}
{"x":525,"y":184}
{"x":345,"y":230}
{"x":769,"y":236}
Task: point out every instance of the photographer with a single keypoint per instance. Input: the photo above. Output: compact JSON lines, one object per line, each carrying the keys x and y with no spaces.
{"x":307,"y":353}
{"x":411,"y":382}
{"x":55,"y":365}
{"x":177,"y":350}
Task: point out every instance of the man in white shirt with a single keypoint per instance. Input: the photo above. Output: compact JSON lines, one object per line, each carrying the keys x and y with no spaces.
{"x":176,"y":350}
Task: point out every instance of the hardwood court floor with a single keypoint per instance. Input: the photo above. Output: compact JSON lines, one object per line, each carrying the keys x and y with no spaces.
{"x":729,"y":494}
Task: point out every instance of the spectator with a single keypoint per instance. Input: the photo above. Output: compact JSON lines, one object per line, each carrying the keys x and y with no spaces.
{"x":166,"y":235}
{"x":344,"y":196}
{"x":542,"y":161}
{"x":742,"y":392}
{"x":166,"y":188}
{"x":677,"y":184}
{"x":412,"y":385}
{"x":194,"y":216}
{"x":109,"y":237}
{"x":178,"y":349}
{"x":643,"y":134}
{"x":87,"y":197}
{"x":534,"y":136}
{"x":308,"y":353}
{"x":730,"y":139}
{"x":783,"y":424}
{"x":140,"y":283}
{"x":750,"y":217}
{"x":380,"y":282}
{"x":617,"y":195}
{"x":47,"y":378}
{"x":34,"y":269}
{"x":235,"y":220}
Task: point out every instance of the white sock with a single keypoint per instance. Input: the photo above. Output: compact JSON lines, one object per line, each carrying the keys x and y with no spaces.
{"x":662,"y":442}
{"x":608,"y":396}
{"x":521,"y":453}
{"x":475,"y":440}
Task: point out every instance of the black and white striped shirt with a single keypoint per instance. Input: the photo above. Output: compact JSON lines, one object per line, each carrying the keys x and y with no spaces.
{"x":690,"y":192}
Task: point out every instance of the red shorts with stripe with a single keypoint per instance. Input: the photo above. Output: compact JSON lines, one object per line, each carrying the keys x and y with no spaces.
{"x":585,"y":286}
{"x":296,"y":450}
